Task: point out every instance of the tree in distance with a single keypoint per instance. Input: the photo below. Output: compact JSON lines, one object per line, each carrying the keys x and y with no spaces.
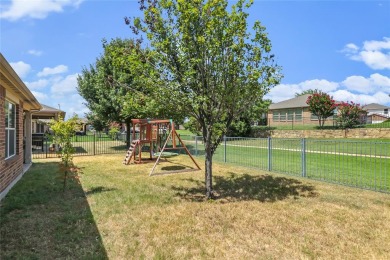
{"x":321,"y":105}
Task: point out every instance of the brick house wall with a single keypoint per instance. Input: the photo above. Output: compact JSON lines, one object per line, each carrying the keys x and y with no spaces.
{"x":2,"y":134}
{"x":305,"y":120}
{"x":11,"y":168}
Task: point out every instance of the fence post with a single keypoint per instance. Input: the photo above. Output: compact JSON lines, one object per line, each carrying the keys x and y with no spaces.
{"x":44,"y":142}
{"x":196,"y":145}
{"x":94,"y":143}
{"x":303,"y":157}
{"x":224,"y":143}
{"x":269,"y":154}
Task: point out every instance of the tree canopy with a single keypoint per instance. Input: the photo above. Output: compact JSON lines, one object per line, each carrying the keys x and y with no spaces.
{"x":308,"y":91}
{"x":123,"y":84}
{"x":212,"y":65}
{"x":321,"y":105}
{"x":349,"y":114}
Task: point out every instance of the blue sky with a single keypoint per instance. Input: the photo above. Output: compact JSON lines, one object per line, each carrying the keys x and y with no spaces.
{"x":340,"y":47}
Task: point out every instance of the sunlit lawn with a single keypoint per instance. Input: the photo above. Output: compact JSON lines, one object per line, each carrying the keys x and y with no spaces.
{"x":119,"y":212}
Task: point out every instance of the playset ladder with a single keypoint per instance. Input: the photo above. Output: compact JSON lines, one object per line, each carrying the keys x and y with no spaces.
{"x":131,"y":151}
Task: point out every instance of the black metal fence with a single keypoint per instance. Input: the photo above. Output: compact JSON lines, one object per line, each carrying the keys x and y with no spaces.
{"x":362,"y":164}
{"x":91,"y":144}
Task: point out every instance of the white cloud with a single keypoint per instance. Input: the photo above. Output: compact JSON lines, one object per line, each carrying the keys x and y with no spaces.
{"x":375,"y":83}
{"x":21,"y":68}
{"x":75,"y":105}
{"x":66,"y":85}
{"x":35,"y":52}
{"x":322,"y":84}
{"x":377,"y":45}
{"x":71,"y":103}
{"x":375,"y":59}
{"x":286,"y":91}
{"x":375,"y":54}
{"x":52,"y":71}
{"x":362,"y":99}
{"x":40,"y":96}
{"x":36,"y":9}
{"x":350,"y":48}
{"x":373,"y":89}
{"x":282,"y":92}
{"x":39,"y":84}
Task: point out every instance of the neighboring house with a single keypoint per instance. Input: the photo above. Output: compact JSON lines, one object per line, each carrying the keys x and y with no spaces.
{"x":17,"y":104}
{"x":41,"y":119}
{"x":40,"y":124}
{"x":376,"y":113}
{"x":293,"y":111}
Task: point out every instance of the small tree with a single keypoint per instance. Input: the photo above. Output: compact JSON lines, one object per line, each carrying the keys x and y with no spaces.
{"x":114,"y":130}
{"x":321,"y":105}
{"x":349,"y":114}
{"x":63,"y":131}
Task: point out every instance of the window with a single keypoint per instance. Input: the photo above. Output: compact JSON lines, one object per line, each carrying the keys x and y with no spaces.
{"x":287,"y":115}
{"x":10,"y":129}
{"x":40,"y":128}
{"x":290,"y":115}
{"x":298,"y":114}
{"x":275,"y":116}
{"x":283,"y":115}
{"x":386,"y":111}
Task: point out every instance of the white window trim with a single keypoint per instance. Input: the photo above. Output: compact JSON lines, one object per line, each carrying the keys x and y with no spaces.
{"x":8,"y":129}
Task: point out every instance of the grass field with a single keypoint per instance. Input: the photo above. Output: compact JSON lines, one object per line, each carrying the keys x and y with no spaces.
{"x":359,"y":163}
{"x":363,"y":164}
{"x":118,"y":212}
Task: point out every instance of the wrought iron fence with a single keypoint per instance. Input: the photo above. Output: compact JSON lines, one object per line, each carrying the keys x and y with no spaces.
{"x":91,"y":144}
{"x":362,"y":164}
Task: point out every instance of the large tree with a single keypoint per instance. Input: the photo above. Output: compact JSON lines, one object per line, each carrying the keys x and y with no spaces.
{"x":214,"y":66}
{"x":121,"y":85}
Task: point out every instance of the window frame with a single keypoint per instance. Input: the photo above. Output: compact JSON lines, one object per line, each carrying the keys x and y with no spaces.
{"x":10,"y":129}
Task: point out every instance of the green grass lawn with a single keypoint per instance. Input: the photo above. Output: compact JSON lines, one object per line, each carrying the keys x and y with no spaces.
{"x":118,"y":212}
{"x":39,"y":221}
{"x":358,"y":164}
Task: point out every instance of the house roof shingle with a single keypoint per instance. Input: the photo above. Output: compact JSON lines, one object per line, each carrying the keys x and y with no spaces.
{"x":46,"y":108}
{"x":299,"y":101}
{"x":374,"y":106}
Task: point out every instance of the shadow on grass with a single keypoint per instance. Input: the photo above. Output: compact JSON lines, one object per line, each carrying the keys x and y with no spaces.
{"x":98,"y":189}
{"x":245,"y":187}
{"x":173,"y":168}
{"x":40,"y":221}
{"x":79,"y":149}
{"x":120,"y":147}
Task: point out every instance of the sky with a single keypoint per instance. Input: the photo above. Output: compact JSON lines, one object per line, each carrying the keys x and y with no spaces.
{"x":339,"y":47}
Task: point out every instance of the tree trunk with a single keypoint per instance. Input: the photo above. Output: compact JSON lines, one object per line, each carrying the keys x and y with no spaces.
{"x":208,"y":171}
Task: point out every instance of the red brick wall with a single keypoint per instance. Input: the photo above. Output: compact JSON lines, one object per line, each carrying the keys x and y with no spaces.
{"x":2,"y":133}
{"x":306,"y":120}
{"x":11,"y":168}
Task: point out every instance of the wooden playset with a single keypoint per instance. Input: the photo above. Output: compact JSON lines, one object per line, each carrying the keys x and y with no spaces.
{"x":156,"y":133}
